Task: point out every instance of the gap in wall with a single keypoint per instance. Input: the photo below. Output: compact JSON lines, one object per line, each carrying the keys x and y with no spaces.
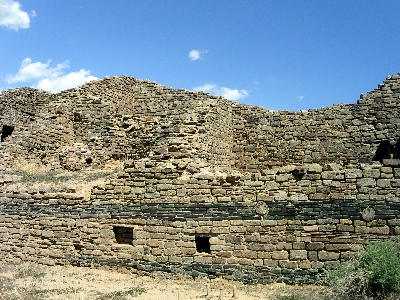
{"x":123,"y":235}
{"x":6,"y":132}
{"x":203,"y":244}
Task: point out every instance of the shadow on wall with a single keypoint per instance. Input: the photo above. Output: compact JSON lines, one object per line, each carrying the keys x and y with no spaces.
{"x":387,"y":151}
{"x":6,"y":132}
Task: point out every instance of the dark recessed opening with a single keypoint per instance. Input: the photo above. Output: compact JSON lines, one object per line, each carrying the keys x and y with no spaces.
{"x":123,"y":235}
{"x":203,"y":244}
{"x":7,"y":131}
{"x":78,"y":246}
{"x":386,"y":151}
{"x":89,"y":160}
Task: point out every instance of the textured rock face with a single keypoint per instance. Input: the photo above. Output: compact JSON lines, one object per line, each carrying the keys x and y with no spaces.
{"x":209,"y":187}
{"x":122,"y":118}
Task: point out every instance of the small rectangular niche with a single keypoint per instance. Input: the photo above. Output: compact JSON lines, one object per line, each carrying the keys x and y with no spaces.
{"x":203,"y":244}
{"x":6,"y":132}
{"x":123,"y":235}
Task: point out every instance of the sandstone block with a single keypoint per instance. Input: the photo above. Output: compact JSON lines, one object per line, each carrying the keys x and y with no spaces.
{"x":203,"y":229}
{"x":337,"y":247}
{"x":282,"y":246}
{"x":271,"y":263}
{"x":325,"y":255}
{"x":366,"y":182}
{"x":311,"y":228}
{"x":47,"y":233}
{"x":348,"y":228}
{"x":305,"y":264}
{"x":395,"y":183}
{"x":224,"y":253}
{"x":281,"y":178}
{"x":383,"y":183}
{"x":203,"y":259}
{"x":216,"y":248}
{"x":224,"y":199}
{"x":299,"y":245}
{"x":317,"y":265}
{"x":218,"y":192}
{"x":220,"y":230}
{"x":280,"y":255}
{"x":288,"y":264}
{"x":314,"y":168}
{"x":353,"y":173}
{"x":298,"y":254}
{"x":384,"y":230}
{"x":246,"y":261}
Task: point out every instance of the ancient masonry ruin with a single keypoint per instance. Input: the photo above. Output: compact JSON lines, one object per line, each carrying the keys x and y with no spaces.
{"x":208,"y":187}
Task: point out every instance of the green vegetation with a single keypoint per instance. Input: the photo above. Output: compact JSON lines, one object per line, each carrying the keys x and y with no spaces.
{"x":373,"y":274}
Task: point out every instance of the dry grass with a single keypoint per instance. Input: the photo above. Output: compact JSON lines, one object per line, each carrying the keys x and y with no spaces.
{"x":29,"y":166}
{"x":35,"y":175}
{"x":34,"y":282}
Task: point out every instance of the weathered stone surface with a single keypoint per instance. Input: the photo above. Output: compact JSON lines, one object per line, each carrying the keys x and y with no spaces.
{"x":325,"y":255}
{"x":227,"y":187}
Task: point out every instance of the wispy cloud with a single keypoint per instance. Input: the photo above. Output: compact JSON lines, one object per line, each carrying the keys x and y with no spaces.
{"x":300,"y":98}
{"x":214,"y":89}
{"x":196,"y":54}
{"x":12,"y":17}
{"x":49,"y":78}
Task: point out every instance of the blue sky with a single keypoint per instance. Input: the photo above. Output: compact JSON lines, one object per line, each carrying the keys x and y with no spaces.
{"x":286,"y":55}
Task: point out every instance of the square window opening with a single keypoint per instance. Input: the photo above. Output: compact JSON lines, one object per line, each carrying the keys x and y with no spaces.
{"x":123,"y":235}
{"x":6,"y":132}
{"x":203,"y":244}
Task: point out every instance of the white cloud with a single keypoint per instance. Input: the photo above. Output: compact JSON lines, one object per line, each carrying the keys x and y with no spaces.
{"x":33,"y":13}
{"x":29,"y":71}
{"x":60,"y":83}
{"x":11,"y":15}
{"x":196,"y":54}
{"x":49,"y":78}
{"x":300,"y":98}
{"x":231,"y":94}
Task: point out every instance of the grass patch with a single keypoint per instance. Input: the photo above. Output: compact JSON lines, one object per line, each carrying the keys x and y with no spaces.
{"x":58,"y":177}
{"x":373,"y":274}
{"x":24,"y":271}
{"x":51,"y":176}
{"x":121,"y":295}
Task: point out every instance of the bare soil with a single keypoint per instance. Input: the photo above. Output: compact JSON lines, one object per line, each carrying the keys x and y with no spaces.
{"x":30,"y":281}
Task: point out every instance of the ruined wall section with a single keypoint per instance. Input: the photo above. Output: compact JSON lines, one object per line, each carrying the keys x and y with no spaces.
{"x":34,"y":132}
{"x":116,"y":118}
{"x":380,"y":110}
{"x":124,"y":118}
{"x":308,"y":196}
{"x":345,"y":134}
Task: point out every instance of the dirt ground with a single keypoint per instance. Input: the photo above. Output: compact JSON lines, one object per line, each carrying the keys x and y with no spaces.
{"x":29,"y":281}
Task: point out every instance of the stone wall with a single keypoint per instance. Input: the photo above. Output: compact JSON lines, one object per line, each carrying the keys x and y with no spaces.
{"x":276,"y":225}
{"x":121,"y":117}
{"x":344,"y":134}
{"x":209,"y":187}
